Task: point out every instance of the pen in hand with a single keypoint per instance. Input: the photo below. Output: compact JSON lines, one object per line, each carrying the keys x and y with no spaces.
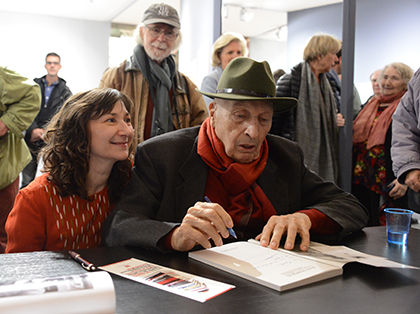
{"x":231,"y":231}
{"x":85,"y":264}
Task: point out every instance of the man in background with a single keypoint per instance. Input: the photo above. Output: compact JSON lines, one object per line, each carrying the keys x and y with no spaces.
{"x":164,"y":99}
{"x":19,"y":104}
{"x":54,"y":93}
{"x":334,"y":77}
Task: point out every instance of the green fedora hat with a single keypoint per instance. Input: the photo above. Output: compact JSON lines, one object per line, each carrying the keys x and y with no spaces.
{"x":247,"y":79}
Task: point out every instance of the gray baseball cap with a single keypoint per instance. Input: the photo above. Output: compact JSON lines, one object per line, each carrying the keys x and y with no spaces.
{"x":161,"y":13}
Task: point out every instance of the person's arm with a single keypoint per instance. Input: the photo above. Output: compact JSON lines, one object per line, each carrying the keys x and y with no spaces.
{"x":199,"y":111}
{"x":23,"y":100}
{"x":132,"y":222}
{"x":108,"y":79}
{"x":340,"y":206}
{"x":284,"y":123}
{"x":148,"y":202}
{"x":26,"y":223}
{"x":209,"y":85}
{"x":3,"y":128}
{"x":340,"y":211}
{"x":405,"y":150}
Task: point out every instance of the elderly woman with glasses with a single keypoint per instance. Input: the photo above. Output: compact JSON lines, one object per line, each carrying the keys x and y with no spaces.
{"x":373,"y":178}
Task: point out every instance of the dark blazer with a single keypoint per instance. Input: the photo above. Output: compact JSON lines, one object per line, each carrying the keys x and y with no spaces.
{"x":169,"y":177}
{"x":58,"y":96}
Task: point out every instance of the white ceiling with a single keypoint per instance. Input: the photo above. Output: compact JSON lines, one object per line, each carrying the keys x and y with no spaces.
{"x":268,"y":14}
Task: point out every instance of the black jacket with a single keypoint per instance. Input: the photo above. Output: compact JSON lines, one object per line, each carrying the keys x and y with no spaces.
{"x":169,"y":177}
{"x":287,"y":86}
{"x":59,"y":95}
{"x":284,"y":124}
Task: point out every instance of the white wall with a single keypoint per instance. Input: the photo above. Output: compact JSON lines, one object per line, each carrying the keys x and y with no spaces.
{"x":83,"y":47}
{"x":386,"y":31}
{"x":274,"y":52}
{"x":198,"y":21}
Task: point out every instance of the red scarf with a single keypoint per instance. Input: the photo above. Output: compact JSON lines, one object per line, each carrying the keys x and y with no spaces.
{"x":232,"y":185}
{"x":366,"y":128}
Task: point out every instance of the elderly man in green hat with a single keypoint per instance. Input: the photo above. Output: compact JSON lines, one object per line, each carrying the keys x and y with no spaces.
{"x":192,"y":187}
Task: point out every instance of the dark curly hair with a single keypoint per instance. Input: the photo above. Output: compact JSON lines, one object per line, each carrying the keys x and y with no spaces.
{"x":67,"y":150}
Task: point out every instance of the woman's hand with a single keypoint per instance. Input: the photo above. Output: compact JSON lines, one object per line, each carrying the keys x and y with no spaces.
{"x":398,"y":190}
{"x":340,"y":120}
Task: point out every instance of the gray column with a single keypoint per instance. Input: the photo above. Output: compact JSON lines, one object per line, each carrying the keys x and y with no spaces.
{"x":347,"y":75}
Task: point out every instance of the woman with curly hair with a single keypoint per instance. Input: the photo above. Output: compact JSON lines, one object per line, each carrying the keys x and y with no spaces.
{"x":87,"y":162}
{"x":373,"y":178}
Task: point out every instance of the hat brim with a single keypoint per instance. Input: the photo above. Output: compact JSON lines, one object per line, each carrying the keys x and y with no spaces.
{"x":161,"y":20}
{"x":280,"y":104}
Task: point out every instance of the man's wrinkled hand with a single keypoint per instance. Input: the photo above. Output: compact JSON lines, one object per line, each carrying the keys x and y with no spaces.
{"x":203,"y":221}
{"x":290,"y":225}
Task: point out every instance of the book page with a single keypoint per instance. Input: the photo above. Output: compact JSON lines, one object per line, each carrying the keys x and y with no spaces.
{"x":80,"y":294}
{"x":340,"y":255}
{"x":171,"y":280}
{"x":276,"y":269}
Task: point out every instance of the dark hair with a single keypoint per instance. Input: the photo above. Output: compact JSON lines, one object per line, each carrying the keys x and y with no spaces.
{"x":52,"y":54}
{"x":67,"y":150}
{"x":338,"y":53}
{"x":278,"y":74}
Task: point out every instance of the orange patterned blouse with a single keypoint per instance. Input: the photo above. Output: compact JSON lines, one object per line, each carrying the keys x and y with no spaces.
{"x":43,"y":220}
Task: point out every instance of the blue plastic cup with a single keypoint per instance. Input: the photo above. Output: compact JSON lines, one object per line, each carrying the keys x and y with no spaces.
{"x":398,"y":223}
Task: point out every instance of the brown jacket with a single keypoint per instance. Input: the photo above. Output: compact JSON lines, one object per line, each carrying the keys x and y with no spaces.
{"x":190,"y":107}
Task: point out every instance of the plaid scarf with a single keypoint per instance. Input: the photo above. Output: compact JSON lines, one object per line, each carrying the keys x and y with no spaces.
{"x":316,"y":124}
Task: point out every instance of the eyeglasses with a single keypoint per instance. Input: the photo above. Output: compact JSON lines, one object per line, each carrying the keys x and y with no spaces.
{"x":54,"y":63}
{"x":155,"y":32}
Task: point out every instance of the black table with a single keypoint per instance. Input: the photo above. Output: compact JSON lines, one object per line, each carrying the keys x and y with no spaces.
{"x":361,"y":289}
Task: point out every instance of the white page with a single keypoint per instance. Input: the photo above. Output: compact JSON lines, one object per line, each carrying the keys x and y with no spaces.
{"x":88,"y":293}
{"x":341,"y":255}
{"x":277,"y":269}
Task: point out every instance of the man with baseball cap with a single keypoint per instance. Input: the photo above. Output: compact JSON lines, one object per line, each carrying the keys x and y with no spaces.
{"x":253,"y":182}
{"x":164,"y":98}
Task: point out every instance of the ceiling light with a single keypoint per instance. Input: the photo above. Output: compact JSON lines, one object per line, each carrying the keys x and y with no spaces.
{"x":246,"y":15}
{"x":281,"y":33}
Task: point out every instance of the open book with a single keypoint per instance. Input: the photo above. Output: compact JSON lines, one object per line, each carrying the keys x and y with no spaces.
{"x":282,"y":269}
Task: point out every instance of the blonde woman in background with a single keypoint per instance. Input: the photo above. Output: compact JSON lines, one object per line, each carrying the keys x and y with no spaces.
{"x":226,"y":48}
{"x":315,"y":122}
